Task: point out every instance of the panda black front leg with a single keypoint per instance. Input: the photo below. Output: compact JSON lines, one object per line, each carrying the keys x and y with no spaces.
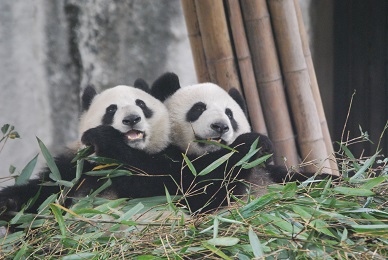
{"x":107,"y":142}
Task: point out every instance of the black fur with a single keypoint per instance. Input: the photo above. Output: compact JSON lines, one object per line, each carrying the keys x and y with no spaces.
{"x":165,"y":86}
{"x":141,"y":84}
{"x":13,"y":198}
{"x":202,"y":193}
{"x":107,"y":142}
{"x":195,"y":112}
{"x":87,"y":97}
{"x":235,"y":94}
{"x":146,"y":110}
{"x":110,"y":112}
{"x":233,"y":121}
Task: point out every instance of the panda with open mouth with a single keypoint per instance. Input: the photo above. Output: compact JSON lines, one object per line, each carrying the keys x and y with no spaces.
{"x":123,"y":123}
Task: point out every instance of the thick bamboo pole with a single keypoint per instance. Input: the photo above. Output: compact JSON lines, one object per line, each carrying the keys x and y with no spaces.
{"x":268,"y":76}
{"x":310,"y":137}
{"x":315,"y":89}
{"x":216,"y":43}
{"x":245,"y":67}
{"x":195,"y":38}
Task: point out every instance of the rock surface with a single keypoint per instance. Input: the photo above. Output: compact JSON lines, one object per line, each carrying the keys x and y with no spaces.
{"x":50,"y":50}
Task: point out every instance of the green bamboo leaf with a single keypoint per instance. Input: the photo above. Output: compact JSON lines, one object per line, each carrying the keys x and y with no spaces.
{"x":48,"y":201}
{"x":257,"y":248}
{"x":190,"y":165}
{"x":4,"y":128}
{"x":215,"y":164}
{"x":371,"y":228}
{"x":256,"y":162}
{"x":103,"y":160}
{"x":26,"y":172}
{"x":22,"y":252}
{"x":68,"y":184}
{"x":216,"y":224}
{"x":224,"y":241}
{"x":215,"y":143}
{"x":344,"y":235}
{"x":373,"y":182}
{"x":83,"y":153}
{"x":58,"y":216}
{"x":351,"y":156}
{"x":216,"y":251}
{"x":81,"y":256}
{"x":101,"y":188}
{"x":260,"y":202}
{"x":252,"y":151}
{"x":109,"y":173}
{"x":79,"y":169}
{"x":130,"y":213}
{"x":55,"y":174}
{"x":362,"y":170}
{"x":353,"y":191}
{"x":321,"y":226}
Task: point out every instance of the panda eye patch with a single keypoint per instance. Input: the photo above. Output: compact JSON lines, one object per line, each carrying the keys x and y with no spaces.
{"x":140,"y":103}
{"x":109,"y":114}
{"x":111,"y":109}
{"x":195,"y":111}
{"x":146,"y":110}
{"x":200,"y":106}
{"x":229,"y":113}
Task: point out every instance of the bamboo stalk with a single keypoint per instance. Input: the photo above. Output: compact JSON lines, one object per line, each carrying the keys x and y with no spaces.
{"x":216,"y":43}
{"x":195,"y":38}
{"x":310,"y":137}
{"x":245,"y":67}
{"x":269,"y":79}
{"x":315,"y":89}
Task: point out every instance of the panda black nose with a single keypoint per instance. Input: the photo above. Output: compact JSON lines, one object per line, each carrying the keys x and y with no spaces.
{"x":131,"y":120}
{"x":220,"y":128}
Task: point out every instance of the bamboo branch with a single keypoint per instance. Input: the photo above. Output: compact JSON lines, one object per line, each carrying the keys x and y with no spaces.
{"x":315,"y":89}
{"x":195,"y":38}
{"x":310,"y":137}
{"x":216,"y":43}
{"x":269,"y":79}
{"x":245,"y":67}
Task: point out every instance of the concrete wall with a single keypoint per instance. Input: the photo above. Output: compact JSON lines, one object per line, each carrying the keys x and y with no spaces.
{"x":50,"y":50}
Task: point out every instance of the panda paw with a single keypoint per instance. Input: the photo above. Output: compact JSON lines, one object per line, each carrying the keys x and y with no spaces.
{"x":102,"y":139}
{"x":244,"y":142}
{"x":8,"y":204}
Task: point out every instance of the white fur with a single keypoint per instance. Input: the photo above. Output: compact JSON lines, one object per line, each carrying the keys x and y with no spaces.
{"x":156,"y":128}
{"x":216,"y":100}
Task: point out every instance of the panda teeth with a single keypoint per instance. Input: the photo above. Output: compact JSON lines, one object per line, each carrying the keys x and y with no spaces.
{"x":135,"y":135}
{"x":215,"y":140}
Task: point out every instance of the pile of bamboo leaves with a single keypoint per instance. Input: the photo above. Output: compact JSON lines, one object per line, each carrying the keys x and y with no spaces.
{"x":326,"y":219}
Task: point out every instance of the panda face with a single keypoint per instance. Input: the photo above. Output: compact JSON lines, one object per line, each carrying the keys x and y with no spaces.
{"x":204,"y":112}
{"x":142,"y":118}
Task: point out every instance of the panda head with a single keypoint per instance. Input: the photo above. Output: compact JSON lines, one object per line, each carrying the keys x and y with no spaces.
{"x":131,"y":110}
{"x":201,"y":112}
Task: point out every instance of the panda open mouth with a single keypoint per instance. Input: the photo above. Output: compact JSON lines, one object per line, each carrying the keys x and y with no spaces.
{"x":135,"y":135}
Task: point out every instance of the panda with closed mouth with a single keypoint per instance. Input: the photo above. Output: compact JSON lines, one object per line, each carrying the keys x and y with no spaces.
{"x":206,"y":112}
{"x":124,"y":123}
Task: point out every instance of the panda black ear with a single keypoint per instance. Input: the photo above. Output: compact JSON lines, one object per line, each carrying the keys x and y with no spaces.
{"x":142,"y":84}
{"x":165,"y":86}
{"x":235,"y":94}
{"x":87,"y":97}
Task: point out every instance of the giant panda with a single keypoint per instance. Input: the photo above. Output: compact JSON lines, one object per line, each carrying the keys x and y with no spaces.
{"x":124,"y":123}
{"x":207,"y":112}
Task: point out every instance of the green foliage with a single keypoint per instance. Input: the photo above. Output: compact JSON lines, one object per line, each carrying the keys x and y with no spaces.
{"x":326,"y":219}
